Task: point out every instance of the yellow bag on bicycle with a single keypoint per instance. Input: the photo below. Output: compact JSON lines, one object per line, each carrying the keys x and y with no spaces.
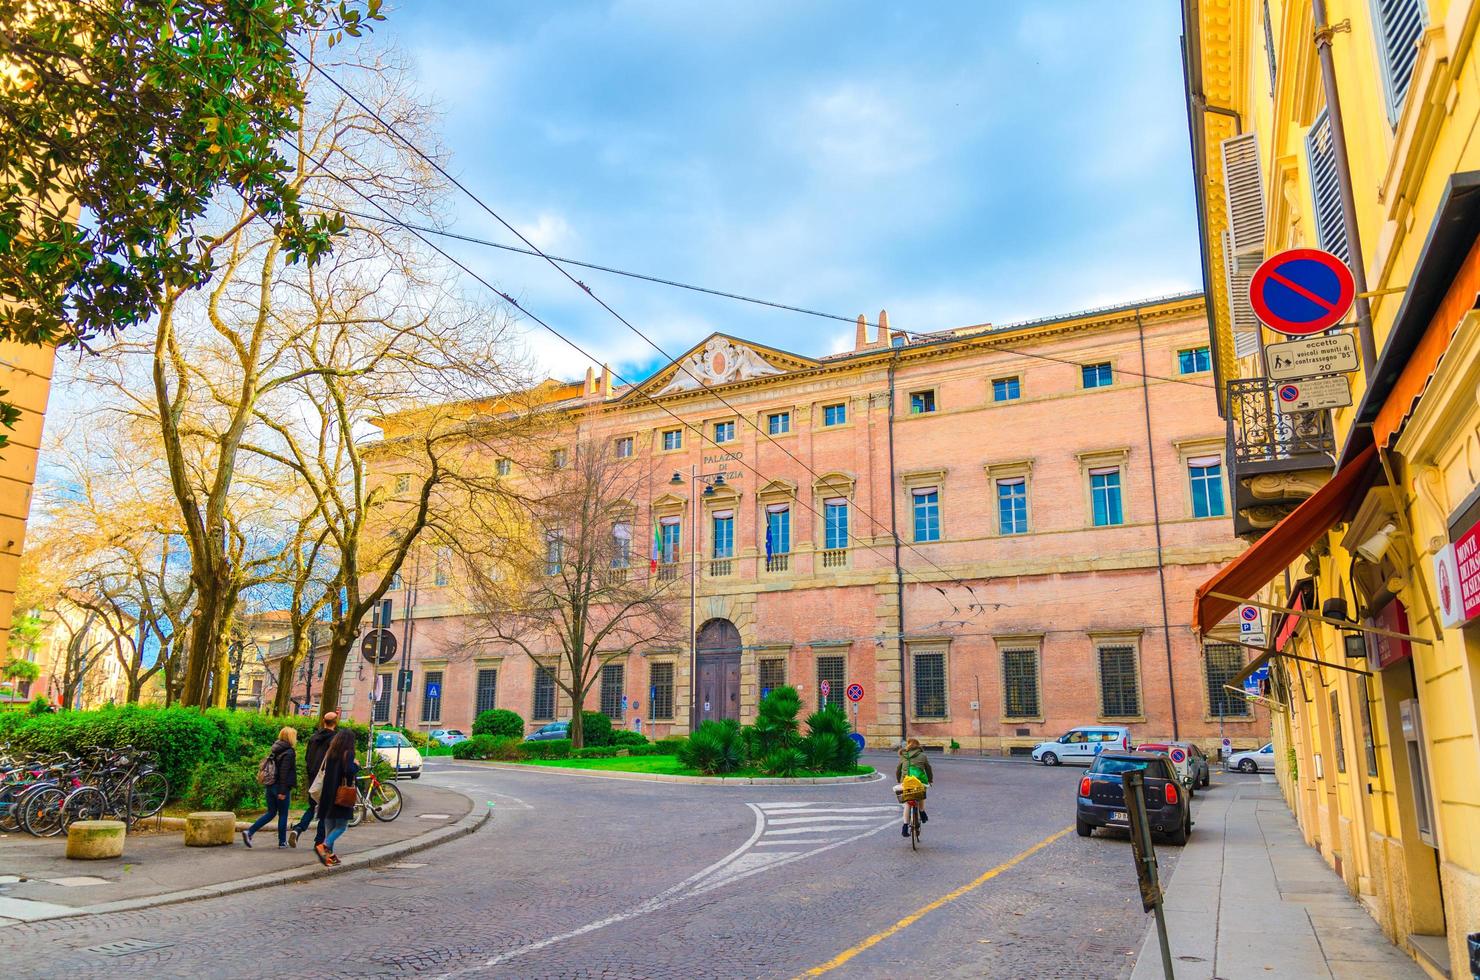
{"x":909,"y":789}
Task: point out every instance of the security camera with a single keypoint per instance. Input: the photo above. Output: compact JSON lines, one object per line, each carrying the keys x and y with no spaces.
{"x":1376,"y":546}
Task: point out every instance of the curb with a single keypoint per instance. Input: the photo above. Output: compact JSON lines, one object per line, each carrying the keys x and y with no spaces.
{"x":655,"y":777}
{"x":470,"y":822}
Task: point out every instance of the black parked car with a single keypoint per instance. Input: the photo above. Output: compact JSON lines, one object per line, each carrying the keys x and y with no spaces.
{"x":1102,"y":796}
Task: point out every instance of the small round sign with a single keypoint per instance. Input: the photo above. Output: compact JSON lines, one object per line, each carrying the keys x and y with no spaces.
{"x":1302,"y":291}
{"x":825,"y":687}
{"x":1289,"y":393}
{"x":855,"y":692}
{"x":1178,"y":756}
{"x":379,"y":646}
{"x":1250,"y":613}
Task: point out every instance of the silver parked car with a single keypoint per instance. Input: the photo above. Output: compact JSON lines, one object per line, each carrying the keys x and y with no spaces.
{"x":1259,"y":760}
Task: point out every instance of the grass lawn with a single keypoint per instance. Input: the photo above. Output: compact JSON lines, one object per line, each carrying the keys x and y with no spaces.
{"x":667,"y":765}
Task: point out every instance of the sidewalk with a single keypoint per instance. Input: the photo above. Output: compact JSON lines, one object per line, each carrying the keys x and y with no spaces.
{"x":38,"y":882}
{"x":1249,"y":898}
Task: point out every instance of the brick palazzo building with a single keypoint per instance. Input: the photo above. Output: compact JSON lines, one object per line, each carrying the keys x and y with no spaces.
{"x":1055,"y":508}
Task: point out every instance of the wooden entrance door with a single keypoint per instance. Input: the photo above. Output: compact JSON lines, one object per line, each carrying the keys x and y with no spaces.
{"x":717,"y":672}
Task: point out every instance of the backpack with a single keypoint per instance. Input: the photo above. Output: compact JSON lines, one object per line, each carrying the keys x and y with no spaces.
{"x":267,"y":771}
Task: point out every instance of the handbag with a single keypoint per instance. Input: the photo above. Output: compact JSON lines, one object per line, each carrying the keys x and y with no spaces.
{"x":346,"y":796}
{"x":316,"y":788}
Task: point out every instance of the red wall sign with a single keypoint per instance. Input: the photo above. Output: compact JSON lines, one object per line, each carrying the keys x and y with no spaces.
{"x":1384,"y":651}
{"x":1457,"y":568}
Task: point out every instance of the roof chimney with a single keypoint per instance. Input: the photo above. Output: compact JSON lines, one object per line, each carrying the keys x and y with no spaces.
{"x":860,"y":336}
{"x":605,"y":388}
{"x":883,"y":337}
{"x":590,"y":388}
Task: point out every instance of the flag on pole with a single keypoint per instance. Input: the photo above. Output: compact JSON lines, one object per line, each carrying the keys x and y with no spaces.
{"x":657,"y":548}
{"x":768,"y":537}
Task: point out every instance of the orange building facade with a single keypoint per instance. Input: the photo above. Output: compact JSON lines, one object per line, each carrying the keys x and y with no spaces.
{"x":1057,"y":489}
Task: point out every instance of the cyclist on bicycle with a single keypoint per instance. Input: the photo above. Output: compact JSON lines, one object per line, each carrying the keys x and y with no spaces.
{"x":912,"y":762}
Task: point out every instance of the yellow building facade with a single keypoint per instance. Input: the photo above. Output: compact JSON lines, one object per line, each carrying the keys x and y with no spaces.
{"x":1363,"y":518}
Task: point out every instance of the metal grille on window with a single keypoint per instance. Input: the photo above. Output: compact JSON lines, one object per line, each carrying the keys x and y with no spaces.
{"x":1399,"y":28}
{"x":930,"y":685}
{"x":1020,"y":683}
{"x":613,"y":683}
{"x":834,"y":670}
{"x":1120,"y":692}
{"x":660,"y":693}
{"x":1325,"y":188}
{"x":431,"y":696}
{"x":544,"y":695}
{"x":382,"y":712}
{"x":771,"y":674}
{"x":1222,"y":662}
{"x":487,"y":691}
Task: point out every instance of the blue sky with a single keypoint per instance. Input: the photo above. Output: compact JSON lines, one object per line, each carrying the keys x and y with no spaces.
{"x":954,"y":163}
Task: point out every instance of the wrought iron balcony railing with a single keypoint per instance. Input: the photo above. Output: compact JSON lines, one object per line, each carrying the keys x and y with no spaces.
{"x":1264,"y":438}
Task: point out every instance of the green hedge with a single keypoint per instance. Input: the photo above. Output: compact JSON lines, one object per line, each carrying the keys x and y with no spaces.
{"x":488,"y":747}
{"x":199,"y":751}
{"x":555,"y":748}
{"x":499,"y":721}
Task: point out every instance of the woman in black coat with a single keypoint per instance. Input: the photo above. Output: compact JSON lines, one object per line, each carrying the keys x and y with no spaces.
{"x":340,"y":769}
{"x":284,"y":758}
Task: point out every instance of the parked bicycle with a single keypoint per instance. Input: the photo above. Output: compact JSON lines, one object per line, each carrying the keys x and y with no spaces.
{"x":44,"y":794}
{"x":381,"y":800}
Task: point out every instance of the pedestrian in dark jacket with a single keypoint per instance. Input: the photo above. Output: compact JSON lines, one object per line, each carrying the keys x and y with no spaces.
{"x":284,"y":759}
{"x":340,"y":770}
{"x":317,"y":745}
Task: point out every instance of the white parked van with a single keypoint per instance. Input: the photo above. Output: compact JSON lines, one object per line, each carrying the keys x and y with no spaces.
{"x":1080,"y":745}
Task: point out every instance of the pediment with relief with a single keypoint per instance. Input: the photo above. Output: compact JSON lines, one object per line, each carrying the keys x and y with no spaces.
{"x":722,"y":360}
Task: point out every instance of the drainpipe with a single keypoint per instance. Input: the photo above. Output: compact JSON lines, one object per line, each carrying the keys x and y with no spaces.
{"x":1161,"y":573}
{"x":904,"y":714}
{"x":1323,"y":34}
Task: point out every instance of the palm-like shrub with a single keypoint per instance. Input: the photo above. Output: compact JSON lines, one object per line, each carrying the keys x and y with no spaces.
{"x":827,"y":745}
{"x":715,"y":748}
{"x":775,"y":724}
{"x":784,"y":762}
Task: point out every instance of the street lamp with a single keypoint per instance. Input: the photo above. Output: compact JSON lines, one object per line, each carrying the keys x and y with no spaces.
{"x":695,"y":478}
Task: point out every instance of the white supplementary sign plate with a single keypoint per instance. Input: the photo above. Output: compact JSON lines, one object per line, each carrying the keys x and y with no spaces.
{"x":1327,"y":354}
{"x":1313,"y":394}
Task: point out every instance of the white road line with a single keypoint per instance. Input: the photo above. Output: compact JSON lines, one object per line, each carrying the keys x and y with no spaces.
{"x":825,"y":829}
{"x":824,"y":818}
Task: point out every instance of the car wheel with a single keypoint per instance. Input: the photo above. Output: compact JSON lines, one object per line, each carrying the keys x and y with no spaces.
{"x":1207,"y":780}
{"x":1248,"y":765}
{"x":1049,"y":759}
{"x":1083,"y":829}
{"x":1179,"y":838}
{"x":416,"y":775}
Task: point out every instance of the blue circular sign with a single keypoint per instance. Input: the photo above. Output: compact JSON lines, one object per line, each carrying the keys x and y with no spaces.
{"x":1302,"y":291}
{"x":857,"y":740}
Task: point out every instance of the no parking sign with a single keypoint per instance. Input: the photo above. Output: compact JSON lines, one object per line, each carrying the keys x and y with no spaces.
{"x":1302,"y":291}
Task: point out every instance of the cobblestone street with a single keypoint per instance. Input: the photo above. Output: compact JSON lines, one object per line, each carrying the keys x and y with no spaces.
{"x":580,"y":876}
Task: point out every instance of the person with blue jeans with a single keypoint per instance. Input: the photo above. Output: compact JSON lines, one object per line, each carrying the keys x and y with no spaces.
{"x":340,"y":771}
{"x":284,"y":761}
{"x":318,"y":744}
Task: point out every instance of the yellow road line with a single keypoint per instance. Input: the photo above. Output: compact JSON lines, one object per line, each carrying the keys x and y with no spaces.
{"x":920,"y":913}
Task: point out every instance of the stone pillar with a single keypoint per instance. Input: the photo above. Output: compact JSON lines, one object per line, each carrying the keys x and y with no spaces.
{"x":889,"y":705}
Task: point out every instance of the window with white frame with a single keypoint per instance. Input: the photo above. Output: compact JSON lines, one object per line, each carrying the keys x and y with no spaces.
{"x":1104,"y":492}
{"x":778,"y":423}
{"x":835,"y":414}
{"x":554,"y":551}
{"x":1012,"y":505}
{"x":623,"y":447}
{"x":723,"y":536}
{"x":1097,"y":375}
{"x":1194,"y":360}
{"x":922,"y":402}
{"x":621,"y":544}
{"x":1006,"y":390}
{"x":927,"y":513}
{"x":778,"y":529}
{"x":503,"y":467}
{"x":672,"y":439}
{"x":1205,"y":478}
{"x":670,"y":531}
{"x":443,"y":573}
{"x":559,"y":458}
{"x":835,"y":523}
{"x":724,"y":432}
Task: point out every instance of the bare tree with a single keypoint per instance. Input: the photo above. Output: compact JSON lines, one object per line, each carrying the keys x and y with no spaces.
{"x":558,"y":581}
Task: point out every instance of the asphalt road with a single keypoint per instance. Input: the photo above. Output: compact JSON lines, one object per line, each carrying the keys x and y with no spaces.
{"x":578,"y":876}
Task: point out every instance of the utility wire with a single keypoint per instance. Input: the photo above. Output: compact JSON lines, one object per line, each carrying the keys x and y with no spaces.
{"x":562,"y":260}
{"x":323,"y":167}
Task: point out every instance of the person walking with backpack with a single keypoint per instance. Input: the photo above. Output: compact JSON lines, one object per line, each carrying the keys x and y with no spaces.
{"x":278,"y":773}
{"x":314,"y":749}
{"x":338,"y":794}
